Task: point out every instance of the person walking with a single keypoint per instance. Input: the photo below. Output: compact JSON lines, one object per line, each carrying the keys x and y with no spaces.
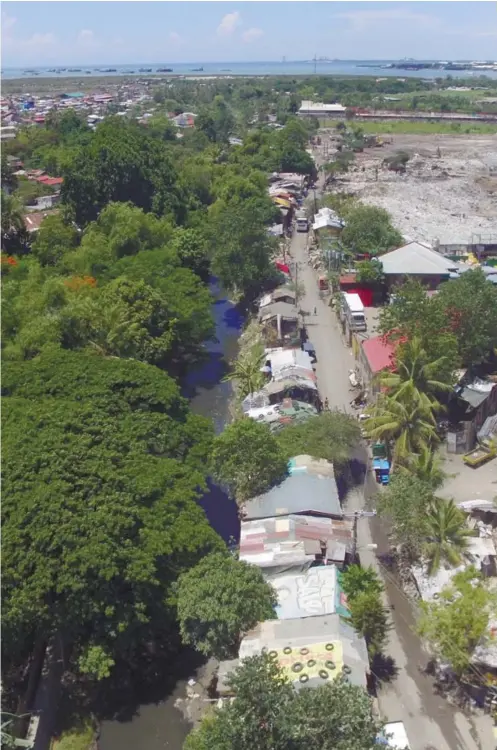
{"x":315,"y":311}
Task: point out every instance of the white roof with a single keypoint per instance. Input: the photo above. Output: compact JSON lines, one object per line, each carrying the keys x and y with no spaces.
{"x":483,"y":505}
{"x":284,"y":359}
{"x":306,"y":594}
{"x":397,"y":736}
{"x":417,"y":259}
{"x":320,"y":107}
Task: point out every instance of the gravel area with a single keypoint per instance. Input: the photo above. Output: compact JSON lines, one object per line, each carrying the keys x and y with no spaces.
{"x":447,"y":194}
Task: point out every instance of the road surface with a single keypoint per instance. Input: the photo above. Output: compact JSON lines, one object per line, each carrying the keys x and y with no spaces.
{"x":431,"y":722}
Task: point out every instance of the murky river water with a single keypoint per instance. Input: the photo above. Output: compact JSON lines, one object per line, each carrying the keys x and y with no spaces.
{"x":161,"y":725}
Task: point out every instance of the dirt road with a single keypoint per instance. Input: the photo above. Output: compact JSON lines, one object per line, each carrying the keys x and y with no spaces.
{"x":431,"y":723}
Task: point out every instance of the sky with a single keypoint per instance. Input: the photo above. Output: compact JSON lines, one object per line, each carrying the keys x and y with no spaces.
{"x":99,"y":33}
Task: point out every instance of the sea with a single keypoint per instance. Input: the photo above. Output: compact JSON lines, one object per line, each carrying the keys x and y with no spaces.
{"x":292,"y":68}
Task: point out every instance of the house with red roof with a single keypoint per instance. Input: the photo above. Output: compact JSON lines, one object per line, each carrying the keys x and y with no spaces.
{"x":376,"y":354}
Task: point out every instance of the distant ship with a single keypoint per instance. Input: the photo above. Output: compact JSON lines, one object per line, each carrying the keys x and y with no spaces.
{"x":128,"y":72}
{"x":164,"y":70}
{"x":145,"y":70}
{"x":108,"y":70}
{"x":74,"y":70}
{"x":88,"y":72}
{"x":197,"y":70}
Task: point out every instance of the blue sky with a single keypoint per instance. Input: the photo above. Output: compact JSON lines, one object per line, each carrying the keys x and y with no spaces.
{"x":44,"y":33}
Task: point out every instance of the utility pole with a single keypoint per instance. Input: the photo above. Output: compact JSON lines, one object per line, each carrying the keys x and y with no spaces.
{"x":315,"y":63}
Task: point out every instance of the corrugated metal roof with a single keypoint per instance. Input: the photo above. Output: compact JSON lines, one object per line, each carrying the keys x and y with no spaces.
{"x":311,"y":593}
{"x":379,"y":353}
{"x":303,"y":647}
{"x":309,"y":489}
{"x":418,"y":260}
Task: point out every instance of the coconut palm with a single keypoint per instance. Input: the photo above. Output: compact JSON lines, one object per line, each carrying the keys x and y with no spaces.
{"x":427,"y":466}
{"x":446,"y":534}
{"x":247,"y":372}
{"x":12,"y":219}
{"x":416,"y":374}
{"x":408,"y":424}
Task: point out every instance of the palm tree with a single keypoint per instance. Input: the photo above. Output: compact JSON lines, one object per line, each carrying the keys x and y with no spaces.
{"x":427,"y":466}
{"x":416,"y":374}
{"x":446,"y":534}
{"x":247,"y":372}
{"x":12,"y":218}
{"x":408,"y":424}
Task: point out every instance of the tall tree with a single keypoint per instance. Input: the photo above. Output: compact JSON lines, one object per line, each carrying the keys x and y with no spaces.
{"x":247,"y":459}
{"x":445,"y":534}
{"x":369,"y":230}
{"x":267,"y":714}
{"x":405,"y":503}
{"x":219,"y":600}
{"x":103,"y":463}
{"x":53,"y":240}
{"x":409,"y":425}
{"x":330,"y":435}
{"x":458,"y":621}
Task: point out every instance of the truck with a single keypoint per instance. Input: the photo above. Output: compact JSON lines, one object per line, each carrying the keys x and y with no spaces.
{"x":301,"y":221}
{"x":354,"y":311}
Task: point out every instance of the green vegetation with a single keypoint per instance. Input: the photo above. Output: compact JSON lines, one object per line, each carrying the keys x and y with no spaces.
{"x":407,"y":127}
{"x":247,"y":459}
{"x":331,"y":435}
{"x":456,"y":623}
{"x":446,"y":535}
{"x":219,"y":600}
{"x":364,"y":598}
{"x":268,"y":714}
{"x":369,"y":230}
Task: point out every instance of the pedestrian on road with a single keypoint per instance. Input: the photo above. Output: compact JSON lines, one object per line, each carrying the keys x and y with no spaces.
{"x":315,"y":311}
{"x":326,"y":405}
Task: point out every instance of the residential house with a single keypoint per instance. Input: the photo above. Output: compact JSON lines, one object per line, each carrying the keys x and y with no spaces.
{"x":310,"y":593}
{"x":309,"y":489}
{"x":311,"y":650}
{"x":329,"y":222}
{"x":278,"y":416}
{"x":375,"y":355}
{"x":33,"y":221}
{"x":281,"y":294}
{"x":282,"y":318}
{"x":418,"y":260}
{"x":319,"y":109}
{"x":295,"y":542}
{"x":473,"y":403}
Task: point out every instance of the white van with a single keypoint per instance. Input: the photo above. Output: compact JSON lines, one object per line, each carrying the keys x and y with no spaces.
{"x":354,"y":311}
{"x":301,"y":222}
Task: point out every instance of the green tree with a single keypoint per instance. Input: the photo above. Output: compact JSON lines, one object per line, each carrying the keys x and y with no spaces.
{"x":369,"y":230}
{"x":467,"y":302}
{"x":268,"y":714}
{"x":445,"y":534}
{"x":192,"y":250}
{"x":13,"y":227}
{"x":247,"y":459}
{"x":53,"y":240}
{"x":458,"y":621}
{"x":219,"y":600}
{"x":246,"y":372}
{"x":103,"y":465}
{"x":404,"y":504}
{"x":370,"y":271}
{"x":356,"y":580}
{"x":426,"y":466}
{"x":409,"y":425}
{"x":369,"y":617}
{"x":331,"y":435}
{"x":415,"y":375}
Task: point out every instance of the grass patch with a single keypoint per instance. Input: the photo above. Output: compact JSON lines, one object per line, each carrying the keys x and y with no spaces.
{"x":417,"y":128}
{"x":80,"y":737}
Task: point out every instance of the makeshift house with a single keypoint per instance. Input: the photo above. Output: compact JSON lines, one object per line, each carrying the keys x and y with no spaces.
{"x":280,"y":415}
{"x":282,"y":317}
{"x":418,"y":261}
{"x":474,"y":402}
{"x":328,"y":221}
{"x":282,"y":294}
{"x":311,"y":593}
{"x":312,"y":650}
{"x":295,"y":386}
{"x":278,"y":544}
{"x":309,"y":489}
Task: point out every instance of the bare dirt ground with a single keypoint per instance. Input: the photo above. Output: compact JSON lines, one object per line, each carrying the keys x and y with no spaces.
{"x":447,"y":194}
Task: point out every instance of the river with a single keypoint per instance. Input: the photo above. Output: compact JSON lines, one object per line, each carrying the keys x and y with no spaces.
{"x":159,"y":724}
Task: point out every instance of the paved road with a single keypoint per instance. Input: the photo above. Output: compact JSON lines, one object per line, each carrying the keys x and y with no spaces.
{"x":431,"y":723}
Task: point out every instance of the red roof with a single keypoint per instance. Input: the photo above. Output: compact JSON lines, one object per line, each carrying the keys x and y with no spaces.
{"x":348,"y":278}
{"x":378,"y":353}
{"x":50,"y":180}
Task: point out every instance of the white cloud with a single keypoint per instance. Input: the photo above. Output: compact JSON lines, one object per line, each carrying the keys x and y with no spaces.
{"x":361,"y":20}
{"x":175,"y":38}
{"x":228,"y":24}
{"x":252,"y":34}
{"x":87,"y":38}
{"x":7,"y":22}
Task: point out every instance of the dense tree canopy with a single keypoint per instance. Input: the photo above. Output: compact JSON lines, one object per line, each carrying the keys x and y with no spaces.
{"x":330,"y":435}
{"x":220,"y":599}
{"x":102,"y":464}
{"x":268,"y":714}
{"x":247,"y":459}
{"x":369,"y":230}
